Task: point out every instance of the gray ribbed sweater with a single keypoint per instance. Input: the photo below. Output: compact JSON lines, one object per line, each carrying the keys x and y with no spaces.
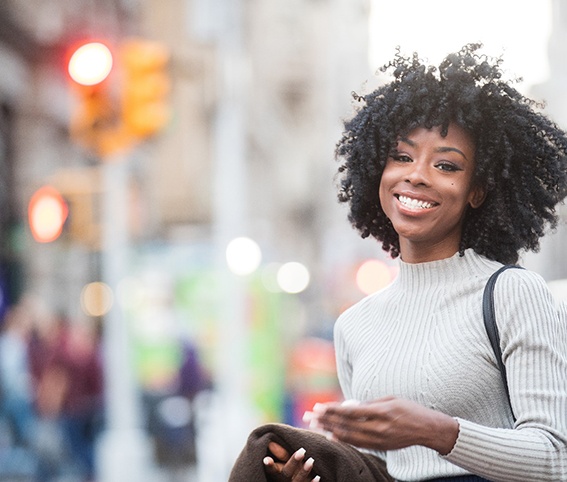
{"x":423,"y":338}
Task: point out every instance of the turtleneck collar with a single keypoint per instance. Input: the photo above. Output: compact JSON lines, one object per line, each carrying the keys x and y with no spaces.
{"x":448,"y":270}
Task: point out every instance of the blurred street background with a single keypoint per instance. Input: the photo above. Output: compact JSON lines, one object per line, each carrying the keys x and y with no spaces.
{"x":172,"y":254}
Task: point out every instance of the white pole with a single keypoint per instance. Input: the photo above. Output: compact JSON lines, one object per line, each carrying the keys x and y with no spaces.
{"x":124,"y":453}
{"x":231,"y":416}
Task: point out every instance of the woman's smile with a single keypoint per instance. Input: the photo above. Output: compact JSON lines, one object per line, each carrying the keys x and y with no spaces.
{"x":414,"y":204}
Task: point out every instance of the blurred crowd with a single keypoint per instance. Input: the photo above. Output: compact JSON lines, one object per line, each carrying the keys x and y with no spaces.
{"x":52,"y":400}
{"x":51,"y":396}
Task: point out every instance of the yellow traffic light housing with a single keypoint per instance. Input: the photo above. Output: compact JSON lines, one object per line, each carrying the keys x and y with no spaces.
{"x":146,"y":87}
{"x":78,"y":192}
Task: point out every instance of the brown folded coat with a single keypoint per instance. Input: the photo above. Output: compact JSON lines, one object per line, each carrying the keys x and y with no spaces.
{"x":334,"y":461}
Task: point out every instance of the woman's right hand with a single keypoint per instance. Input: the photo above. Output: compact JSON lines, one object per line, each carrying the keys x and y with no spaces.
{"x":286,"y":467}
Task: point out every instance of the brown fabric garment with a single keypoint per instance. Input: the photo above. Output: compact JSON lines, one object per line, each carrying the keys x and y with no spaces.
{"x":334,"y":461}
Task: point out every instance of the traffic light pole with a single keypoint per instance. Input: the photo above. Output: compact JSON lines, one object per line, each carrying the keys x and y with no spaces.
{"x":124,"y":450}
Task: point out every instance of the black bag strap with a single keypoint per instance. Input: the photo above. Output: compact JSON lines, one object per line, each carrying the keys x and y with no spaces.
{"x":489,"y":316}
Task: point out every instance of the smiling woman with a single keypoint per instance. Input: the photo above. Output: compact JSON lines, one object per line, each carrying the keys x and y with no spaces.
{"x":454,"y":172}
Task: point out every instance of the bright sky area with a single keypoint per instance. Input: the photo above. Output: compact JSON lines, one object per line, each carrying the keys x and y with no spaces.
{"x":517,"y":29}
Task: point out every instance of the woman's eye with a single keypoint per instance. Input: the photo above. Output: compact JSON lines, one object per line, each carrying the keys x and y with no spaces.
{"x":401,"y":157}
{"x":448,"y":166}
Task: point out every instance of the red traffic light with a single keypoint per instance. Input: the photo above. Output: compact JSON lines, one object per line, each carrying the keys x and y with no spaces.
{"x":47,"y":213}
{"x":90,"y":64}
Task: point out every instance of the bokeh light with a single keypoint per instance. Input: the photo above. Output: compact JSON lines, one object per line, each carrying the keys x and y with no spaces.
{"x":47,"y":214}
{"x":373,"y":275}
{"x":96,"y":299}
{"x":243,"y":256}
{"x":293,"y":277}
{"x":90,"y":64}
{"x":175,"y":411}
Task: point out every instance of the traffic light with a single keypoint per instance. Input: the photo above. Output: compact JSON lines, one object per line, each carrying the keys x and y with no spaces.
{"x":47,"y":213}
{"x":90,"y":64}
{"x":81,"y":188}
{"x":122,"y":98}
{"x":94,"y":122}
{"x":145,"y":86}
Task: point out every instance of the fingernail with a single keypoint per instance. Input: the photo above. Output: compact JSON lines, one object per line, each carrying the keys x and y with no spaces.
{"x":308,"y":465}
{"x":314,"y":424}
{"x":316,"y":479}
{"x":308,"y":416}
{"x":319,"y":408}
{"x":351,"y":402}
{"x":299,"y":454}
{"x":267,"y":460}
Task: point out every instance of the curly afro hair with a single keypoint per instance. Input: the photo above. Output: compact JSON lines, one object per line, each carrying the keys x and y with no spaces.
{"x":520,"y":159}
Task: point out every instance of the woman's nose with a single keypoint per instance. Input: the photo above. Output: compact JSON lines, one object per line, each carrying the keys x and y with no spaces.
{"x":418,"y":173}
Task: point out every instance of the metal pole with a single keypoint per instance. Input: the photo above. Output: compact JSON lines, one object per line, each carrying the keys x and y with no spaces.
{"x":124,"y":451}
{"x":231,"y":417}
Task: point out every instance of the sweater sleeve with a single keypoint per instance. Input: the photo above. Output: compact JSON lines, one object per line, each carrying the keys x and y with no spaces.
{"x":533,"y":339}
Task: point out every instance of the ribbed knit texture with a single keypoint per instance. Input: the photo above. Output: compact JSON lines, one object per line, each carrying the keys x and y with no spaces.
{"x":423,"y":338}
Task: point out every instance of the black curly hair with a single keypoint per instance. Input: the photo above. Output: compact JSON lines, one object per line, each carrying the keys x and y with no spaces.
{"x":520,"y":158}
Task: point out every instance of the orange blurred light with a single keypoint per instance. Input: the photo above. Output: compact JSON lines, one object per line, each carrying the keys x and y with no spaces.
{"x":373,"y":275}
{"x":47,"y":212}
{"x":90,"y":64}
{"x":145,"y":103}
{"x":96,"y":299}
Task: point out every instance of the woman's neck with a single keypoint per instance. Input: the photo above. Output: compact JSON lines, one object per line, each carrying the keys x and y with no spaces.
{"x":414,"y":253}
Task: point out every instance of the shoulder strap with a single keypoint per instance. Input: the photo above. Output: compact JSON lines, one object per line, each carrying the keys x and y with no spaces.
{"x":489,"y":316}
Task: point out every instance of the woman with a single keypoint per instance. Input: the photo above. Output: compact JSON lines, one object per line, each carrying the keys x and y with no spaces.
{"x":455,"y":172}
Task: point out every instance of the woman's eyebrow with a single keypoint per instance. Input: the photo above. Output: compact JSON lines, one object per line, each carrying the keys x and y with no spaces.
{"x":411,"y":143}
{"x":451,"y":149}
{"x":405,"y":140}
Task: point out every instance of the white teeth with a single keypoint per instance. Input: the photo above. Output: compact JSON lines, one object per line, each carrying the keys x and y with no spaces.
{"x":414,"y":203}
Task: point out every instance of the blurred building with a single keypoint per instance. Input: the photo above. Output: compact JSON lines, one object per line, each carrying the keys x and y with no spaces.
{"x":549,"y":262}
{"x":257,"y":93}
{"x":298,"y":63}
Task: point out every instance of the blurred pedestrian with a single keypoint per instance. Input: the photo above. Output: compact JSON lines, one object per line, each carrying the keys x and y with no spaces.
{"x":48,"y":339}
{"x":71,"y":389}
{"x":454,"y":171}
{"x":16,"y":388}
{"x":18,"y":421}
{"x":172,"y":418}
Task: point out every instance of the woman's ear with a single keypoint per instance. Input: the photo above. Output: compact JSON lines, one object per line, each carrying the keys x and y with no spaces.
{"x":477,"y":197}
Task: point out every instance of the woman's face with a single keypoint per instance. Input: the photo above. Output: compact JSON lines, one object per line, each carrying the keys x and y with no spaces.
{"x":425,"y":189}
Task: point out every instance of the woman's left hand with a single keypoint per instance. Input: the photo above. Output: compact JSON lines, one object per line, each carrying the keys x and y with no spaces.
{"x":283,"y":466}
{"x":387,"y":423}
